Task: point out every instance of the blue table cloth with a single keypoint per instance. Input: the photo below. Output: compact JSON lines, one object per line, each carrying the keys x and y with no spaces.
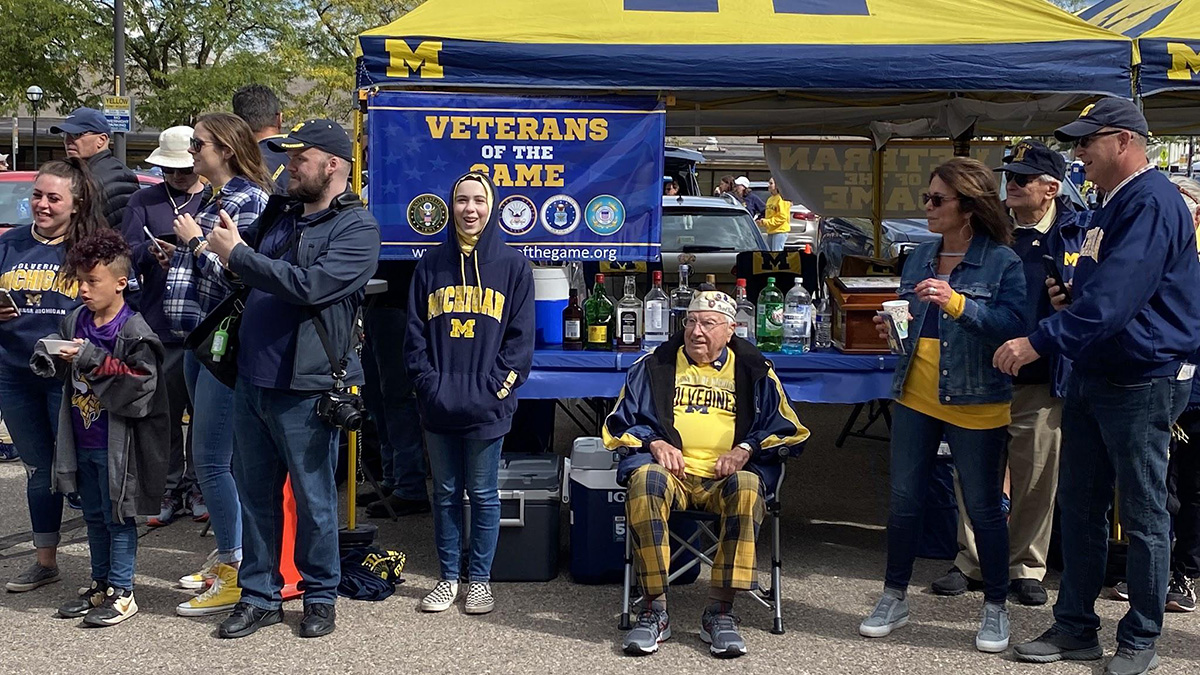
{"x":815,"y":377}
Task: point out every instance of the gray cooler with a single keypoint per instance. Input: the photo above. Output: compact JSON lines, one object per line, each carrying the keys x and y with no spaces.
{"x":531,"y":488}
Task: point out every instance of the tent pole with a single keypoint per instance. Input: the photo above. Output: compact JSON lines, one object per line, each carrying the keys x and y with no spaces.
{"x":359,"y":159}
{"x":877,"y":198}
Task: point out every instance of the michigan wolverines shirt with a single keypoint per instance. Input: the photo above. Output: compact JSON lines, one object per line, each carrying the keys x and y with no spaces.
{"x":705,"y":410}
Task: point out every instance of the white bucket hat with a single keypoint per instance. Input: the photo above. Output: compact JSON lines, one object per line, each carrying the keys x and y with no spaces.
{"x":172,"y":151}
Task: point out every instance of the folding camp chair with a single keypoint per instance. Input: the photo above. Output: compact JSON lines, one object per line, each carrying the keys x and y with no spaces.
{"x":703,"y":545}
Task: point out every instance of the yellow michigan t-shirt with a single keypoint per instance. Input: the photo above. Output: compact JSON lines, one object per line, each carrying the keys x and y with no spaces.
{"x":705,"y":411}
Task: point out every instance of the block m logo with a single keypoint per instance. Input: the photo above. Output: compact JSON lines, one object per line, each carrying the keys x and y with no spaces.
{"x":462,"y":329}
{"x":1185,"y":62}
{"x":424,"y":60}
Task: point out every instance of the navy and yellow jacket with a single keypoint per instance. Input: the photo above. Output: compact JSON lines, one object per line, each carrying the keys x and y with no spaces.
{"x":469,"y":342}
{"x":1135,"y":309}
{"x":645,"y":411}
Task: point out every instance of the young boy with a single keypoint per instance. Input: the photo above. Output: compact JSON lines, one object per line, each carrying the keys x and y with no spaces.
{"x":113,"y":429}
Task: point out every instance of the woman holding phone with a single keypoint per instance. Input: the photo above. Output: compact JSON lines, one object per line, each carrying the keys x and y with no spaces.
{"x":966,"y":297}
{"x":66,"y":208}
{"x":225,"y":153}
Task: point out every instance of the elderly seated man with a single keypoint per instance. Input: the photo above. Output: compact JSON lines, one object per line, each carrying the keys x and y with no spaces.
{"x":701,"y":421}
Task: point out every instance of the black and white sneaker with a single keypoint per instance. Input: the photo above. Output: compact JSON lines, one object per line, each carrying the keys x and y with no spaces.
{"x":117,"y":606}
{"x":1120,"y":591}
{"x":479,"y":598}
{"x":89,"y":598}
{"x":441,"y":598}
{"x":1181,"y":594}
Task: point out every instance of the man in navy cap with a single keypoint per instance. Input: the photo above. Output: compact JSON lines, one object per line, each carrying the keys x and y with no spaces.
{"x":85,"y":135}
{"x":314,"y":251}
{"x":1130,"y":323}
{"x":1046,"y":224}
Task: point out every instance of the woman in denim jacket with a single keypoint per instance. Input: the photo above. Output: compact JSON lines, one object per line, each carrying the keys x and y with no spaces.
{"x":966,"y":296}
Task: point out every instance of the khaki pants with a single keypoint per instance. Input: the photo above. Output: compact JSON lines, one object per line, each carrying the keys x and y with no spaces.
{"x":1033,"y":445}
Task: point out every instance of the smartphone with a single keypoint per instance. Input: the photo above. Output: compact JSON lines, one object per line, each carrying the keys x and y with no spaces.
{"x":895,"y":342}
{"x":154,"y":242}
{"x":6,"y":300}
{"x":55,"y":347}
{"x":1053,"y":273}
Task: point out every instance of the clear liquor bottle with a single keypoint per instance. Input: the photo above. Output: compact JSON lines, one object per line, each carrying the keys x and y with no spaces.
{"x":629,"y":318}
{"x":681,"y":298}
{"x":744,"y":320}
{"x":657,"y":316}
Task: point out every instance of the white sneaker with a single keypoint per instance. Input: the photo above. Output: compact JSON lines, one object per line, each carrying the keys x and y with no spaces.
{"x":441,"y":597}
{"x":204,"y":577}
{"x":479,"y":598}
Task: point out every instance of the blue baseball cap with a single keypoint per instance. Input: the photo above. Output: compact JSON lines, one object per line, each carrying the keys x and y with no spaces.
{"x":82,"y":121}
{"x":322,"y":134}
{"x":1033,"y":158}
{"x":1118,"y":113}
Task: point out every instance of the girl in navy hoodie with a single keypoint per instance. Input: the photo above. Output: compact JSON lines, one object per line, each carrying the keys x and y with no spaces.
{"x":66,"y":208}
{"x":469,"y":345}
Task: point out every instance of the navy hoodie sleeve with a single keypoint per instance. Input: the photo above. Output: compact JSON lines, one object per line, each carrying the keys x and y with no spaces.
{"x":416,"y":345}
{"x":515,"y":357}
{"x":1128,"y":273}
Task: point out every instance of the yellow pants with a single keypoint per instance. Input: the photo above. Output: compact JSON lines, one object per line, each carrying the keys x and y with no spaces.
{"x":738,"y":499}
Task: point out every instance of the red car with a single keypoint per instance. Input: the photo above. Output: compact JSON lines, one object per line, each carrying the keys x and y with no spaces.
{"x":15,"y":188}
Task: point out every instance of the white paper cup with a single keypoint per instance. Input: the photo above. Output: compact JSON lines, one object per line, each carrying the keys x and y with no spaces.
{"x":899,"y":311}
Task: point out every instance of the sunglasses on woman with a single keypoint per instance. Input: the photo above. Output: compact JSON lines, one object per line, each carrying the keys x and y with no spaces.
{"x":198,"y":144}
{"x":936,"y":200}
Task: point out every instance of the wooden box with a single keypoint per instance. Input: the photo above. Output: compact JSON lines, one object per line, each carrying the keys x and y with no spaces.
{"x":854,"y":307}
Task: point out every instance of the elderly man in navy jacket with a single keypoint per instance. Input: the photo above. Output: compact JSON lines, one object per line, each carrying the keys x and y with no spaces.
{"x":1130,"y":322}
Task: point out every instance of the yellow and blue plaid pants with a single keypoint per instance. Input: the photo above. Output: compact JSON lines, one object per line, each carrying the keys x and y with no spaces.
{"x":738,"y":499}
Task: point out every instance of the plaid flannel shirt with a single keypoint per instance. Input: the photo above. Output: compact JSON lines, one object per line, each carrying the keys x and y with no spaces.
{"x":197,"y":284}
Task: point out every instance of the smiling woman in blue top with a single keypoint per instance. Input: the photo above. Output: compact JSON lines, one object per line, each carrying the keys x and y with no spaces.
{"x":966,"y":294}
{"x":66,"y":208}
{"x":469,"y":346}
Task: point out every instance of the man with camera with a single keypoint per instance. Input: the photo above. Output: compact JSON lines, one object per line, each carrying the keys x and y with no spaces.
{"x":315,"y":249}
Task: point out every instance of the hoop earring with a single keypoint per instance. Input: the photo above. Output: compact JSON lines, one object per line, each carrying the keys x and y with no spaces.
{"x":967,"y":226}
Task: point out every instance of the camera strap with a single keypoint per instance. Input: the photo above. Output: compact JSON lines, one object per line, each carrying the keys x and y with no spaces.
{"x":337,"y":366}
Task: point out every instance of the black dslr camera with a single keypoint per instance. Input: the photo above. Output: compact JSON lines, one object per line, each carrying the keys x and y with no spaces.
{"x":341,"y":409}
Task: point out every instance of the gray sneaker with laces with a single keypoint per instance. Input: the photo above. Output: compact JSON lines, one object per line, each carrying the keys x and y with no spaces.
{"x":33,"y":577}
{"x":652,"y":627}
{"x":890,"y":613}
{"x":993,"y":629}
{"x":720,"y":631}
{"x":479,"y":598}
{"x":1132,"y":661}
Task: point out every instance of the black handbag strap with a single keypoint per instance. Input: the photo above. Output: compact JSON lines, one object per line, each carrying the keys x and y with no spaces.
{"x":338,"y":367}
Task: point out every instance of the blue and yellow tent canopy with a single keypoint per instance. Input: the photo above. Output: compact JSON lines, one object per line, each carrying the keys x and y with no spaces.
{"x":1168,"y":39}
{"x":868,"y":46}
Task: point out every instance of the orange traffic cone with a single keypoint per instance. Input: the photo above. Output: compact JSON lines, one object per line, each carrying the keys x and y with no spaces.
{"x":287,"y":562}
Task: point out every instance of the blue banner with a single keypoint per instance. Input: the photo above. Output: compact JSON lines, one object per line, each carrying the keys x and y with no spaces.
{"x":577,"y":179}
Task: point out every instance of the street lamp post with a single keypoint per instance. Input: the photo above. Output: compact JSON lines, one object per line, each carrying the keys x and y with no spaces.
{"x":34,"y":94}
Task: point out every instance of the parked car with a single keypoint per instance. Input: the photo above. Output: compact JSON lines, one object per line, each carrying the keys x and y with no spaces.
{"x":680,"y":164}
{"x":707,"y":233}
{"x":16,"y":186}
{"x":805,"y":227}
{"x":841,"y":237}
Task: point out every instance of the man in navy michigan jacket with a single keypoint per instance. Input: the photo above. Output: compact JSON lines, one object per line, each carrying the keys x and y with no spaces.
{"x":1132,"y":321}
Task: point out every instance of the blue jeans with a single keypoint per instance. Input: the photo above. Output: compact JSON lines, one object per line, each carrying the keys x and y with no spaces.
{"x":30,"y":406}
{"x":461,"y":464}
{"x":776,"y":242}
{"x":1116,"y":432}
{"x":212,"y":452}
{"x":390,"y":399}
{"x":978,"y":459}
{"x":280,"y":435}
{"x":113,"y":545}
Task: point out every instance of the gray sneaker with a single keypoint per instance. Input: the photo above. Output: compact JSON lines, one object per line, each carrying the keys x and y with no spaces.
{"x":890,"y":613}
{"x":652,"y":627}
{"x":1132,"y":661}
{"x":33,"y":577}
{"x":720,"y":631}
{"x":993,"y":629}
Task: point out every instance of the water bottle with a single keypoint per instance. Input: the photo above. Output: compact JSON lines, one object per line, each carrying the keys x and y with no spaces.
{"x":797,"y":319}
{"x":823,"y":333}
